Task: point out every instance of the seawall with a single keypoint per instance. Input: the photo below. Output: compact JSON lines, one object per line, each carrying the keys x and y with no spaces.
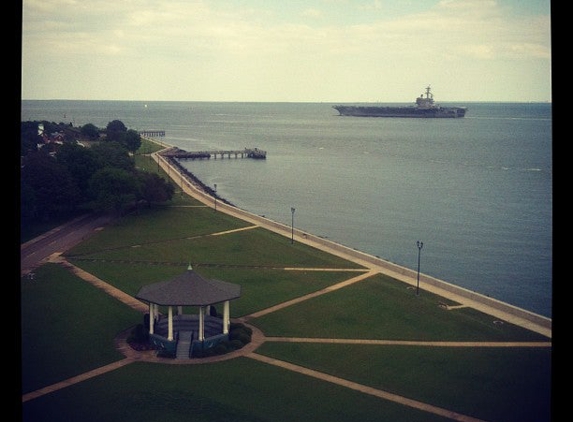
{"x":465,"y":297}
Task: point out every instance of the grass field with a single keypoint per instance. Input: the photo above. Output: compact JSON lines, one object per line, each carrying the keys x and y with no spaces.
{"x":68,"y":327}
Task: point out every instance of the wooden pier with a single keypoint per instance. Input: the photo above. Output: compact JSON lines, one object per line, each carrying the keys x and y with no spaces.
{"x":152,"y":133}
{"x":255,"y":153}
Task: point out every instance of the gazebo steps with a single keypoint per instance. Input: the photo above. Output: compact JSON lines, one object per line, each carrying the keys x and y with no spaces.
{"x":184,"y":345}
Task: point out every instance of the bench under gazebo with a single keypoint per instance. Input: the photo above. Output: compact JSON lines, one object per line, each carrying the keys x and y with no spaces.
{"x":181,"y":334}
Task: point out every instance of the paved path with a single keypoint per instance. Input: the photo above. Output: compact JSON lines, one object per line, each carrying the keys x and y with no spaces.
{"x":74,"y":380}
{"x":258,"y":337}
{"x":309,"y":296}
{"x":499,"y":310}
{"x":62,"y":238}
{"x":365,"y":389}
{"x":411,"y":342}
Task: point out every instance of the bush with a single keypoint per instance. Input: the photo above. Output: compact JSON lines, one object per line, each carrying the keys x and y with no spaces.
{"x":166,"y":354}
{"x":243,"y":337}
{"x":240,"y":332}
{"x":241,"y":327}
{"x":235,"y":345}
{"x":239,"y":336}
{"x":138,"y":335}
{"x":220,"y":349}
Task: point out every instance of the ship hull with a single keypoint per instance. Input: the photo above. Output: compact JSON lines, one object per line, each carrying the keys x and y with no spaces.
{"x":429,"y":113}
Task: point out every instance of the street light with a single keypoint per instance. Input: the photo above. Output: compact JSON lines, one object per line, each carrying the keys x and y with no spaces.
{"x":420,"y":246}
{"x":215,"y":195}
{"x":292,"y":210}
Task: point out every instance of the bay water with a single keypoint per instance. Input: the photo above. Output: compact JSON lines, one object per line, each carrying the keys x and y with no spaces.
{"x":476,"y":191}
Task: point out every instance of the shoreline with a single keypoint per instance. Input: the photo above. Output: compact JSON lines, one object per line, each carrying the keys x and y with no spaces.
{"x":194,"y":180}
{"x":510,"y":313}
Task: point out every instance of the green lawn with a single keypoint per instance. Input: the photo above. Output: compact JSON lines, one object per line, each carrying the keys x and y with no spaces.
{"x":509,"y":384}
{"x":68,"y":327}
{"x":384,"y":308}
{"x":237,"y":390}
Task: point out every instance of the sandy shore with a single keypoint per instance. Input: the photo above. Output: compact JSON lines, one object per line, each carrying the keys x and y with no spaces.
{"x":497,"y":309}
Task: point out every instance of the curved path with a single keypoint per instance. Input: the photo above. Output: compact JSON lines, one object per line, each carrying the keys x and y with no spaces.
{"x":495,"y":308}
{"x":259,"y":338}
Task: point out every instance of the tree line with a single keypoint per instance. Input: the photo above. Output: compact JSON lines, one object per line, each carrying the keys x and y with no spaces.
{"x":67,"y":170}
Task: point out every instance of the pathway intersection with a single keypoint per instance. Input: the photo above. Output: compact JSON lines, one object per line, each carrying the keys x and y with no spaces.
{"x":259,"y":338}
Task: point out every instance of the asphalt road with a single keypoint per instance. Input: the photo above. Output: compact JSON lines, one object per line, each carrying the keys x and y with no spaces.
{"x":59,"y":240}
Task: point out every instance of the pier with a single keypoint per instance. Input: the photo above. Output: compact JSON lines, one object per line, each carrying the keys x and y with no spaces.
{"x":254,"y":153}
{"x":152,"y":133}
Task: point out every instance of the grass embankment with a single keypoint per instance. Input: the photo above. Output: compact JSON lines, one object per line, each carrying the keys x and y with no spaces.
{"x":68,"y":328}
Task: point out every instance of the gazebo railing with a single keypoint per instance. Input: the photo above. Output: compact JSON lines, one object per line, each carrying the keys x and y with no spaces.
{"x":213,"y":325}
{"x":187,"y":323}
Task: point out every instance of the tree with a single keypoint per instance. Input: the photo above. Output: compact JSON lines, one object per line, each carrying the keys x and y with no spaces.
{"x":131,"y":140}
{"x":56,"y":194}
{"x":113,"y":154}
{"x":82,"y":163}
{"x":115,"y":131}
{"x":90,"y":131}
{"x":29,"y":137}
{"x":114,"y":189}
{"x":28,"y":203}
{"x":154,"y":188}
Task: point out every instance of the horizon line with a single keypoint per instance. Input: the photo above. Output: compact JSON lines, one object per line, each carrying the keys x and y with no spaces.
{"x":292,"y":102}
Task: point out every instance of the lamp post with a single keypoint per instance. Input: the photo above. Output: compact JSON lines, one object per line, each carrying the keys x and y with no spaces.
{"x":215,"y":195}
{"x":420,"y":246}
{"x":292,"y":210}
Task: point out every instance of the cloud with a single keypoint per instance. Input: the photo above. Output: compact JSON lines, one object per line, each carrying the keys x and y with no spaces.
{"x":312,"y":13}
{"x":257,"y":40}
{"x":66,"y":26}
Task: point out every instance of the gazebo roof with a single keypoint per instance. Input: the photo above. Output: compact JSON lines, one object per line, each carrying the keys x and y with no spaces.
{"x":189,"y":289}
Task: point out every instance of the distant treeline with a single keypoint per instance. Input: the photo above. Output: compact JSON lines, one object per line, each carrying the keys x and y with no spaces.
{"x":66,"y":170}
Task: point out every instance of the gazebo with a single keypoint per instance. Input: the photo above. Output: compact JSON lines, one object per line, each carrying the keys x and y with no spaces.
{"x":179,"y":334}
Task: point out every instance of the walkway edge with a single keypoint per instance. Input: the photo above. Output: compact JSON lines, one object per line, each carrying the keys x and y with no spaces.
{"x":500,"y":310}
{"x":364,"y":389}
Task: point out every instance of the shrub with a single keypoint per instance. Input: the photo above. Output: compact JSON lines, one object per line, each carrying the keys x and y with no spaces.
{"x":138,"y":335}
{"x":220,"y":349}
{"x":240,"y":333}
{"x":239,"y":326}
{"x":166,"y":354}
{"x":235,"y":345}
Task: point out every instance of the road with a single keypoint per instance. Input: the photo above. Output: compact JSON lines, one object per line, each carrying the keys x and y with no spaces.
{"x":58,"y":240}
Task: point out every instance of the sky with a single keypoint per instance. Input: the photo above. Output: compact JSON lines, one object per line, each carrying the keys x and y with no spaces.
{"x":287,"y":50}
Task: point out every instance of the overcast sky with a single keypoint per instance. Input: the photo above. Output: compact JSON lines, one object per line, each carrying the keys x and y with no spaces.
{"x":287,"y":50}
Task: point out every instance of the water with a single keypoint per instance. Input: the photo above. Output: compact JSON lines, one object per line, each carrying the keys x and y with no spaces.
{"x":476,"y":191}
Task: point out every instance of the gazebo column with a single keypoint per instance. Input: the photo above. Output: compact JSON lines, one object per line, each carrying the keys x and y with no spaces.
{"x":151,"y":318}
{"x":201,"y":323}
{"x":226,"y":317}
{"x":170,"y":324}
{"x":180,"y":310}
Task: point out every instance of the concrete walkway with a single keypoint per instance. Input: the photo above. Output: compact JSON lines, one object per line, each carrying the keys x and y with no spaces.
{"x":365,"y":389}
{"x":309,"y":296}
{"x":258,"y":337}
{"x":463,"y":297}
